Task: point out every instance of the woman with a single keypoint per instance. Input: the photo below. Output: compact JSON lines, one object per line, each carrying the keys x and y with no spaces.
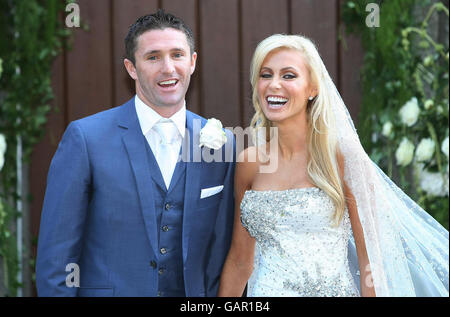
{"x":327,"y":222}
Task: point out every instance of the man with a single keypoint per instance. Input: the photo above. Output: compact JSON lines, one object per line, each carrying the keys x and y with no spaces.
{"x":120,"y":214}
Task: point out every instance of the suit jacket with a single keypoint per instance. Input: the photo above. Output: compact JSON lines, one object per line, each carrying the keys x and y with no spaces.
{"x":99,"y":219}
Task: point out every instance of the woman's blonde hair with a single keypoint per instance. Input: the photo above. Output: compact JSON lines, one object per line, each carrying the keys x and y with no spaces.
{"x":322,"y":140}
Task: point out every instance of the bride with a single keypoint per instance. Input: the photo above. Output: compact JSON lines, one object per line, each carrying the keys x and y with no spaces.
{"x":327,"y":221}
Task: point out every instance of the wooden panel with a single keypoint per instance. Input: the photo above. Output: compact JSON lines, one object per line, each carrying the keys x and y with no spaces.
{"x":260,"y":19}
{"x":351,"y":61}
{"x":89,"y":72}
{"x":317,"y":20}
{"x":351,"y":58}
{"x":219,"y":61}
{"x":187,"y":11}
{"x":91,"y":77}
{"x":44,"y":150}
{"x":125,"y":13}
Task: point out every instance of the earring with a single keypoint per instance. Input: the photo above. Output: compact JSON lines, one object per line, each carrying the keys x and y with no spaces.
{"x":310,"y":98}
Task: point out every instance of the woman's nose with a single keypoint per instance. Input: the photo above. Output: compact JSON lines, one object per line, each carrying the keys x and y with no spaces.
{"x":275,"y":83}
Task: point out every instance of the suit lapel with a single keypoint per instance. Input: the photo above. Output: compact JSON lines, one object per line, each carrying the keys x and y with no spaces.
{"x":154,"y":167}
{"x":136,"y":150}
{"x":178,"y":171}
{"x":193,"y":172}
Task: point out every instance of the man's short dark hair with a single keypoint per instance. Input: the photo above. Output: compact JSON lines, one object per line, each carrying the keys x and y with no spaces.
{"x":156,"y":21}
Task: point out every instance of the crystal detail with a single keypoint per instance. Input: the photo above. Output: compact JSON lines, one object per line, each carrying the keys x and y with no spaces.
{"x":298,"y":250}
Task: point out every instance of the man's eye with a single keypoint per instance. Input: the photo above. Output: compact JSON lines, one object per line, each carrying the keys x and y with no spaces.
{"x":152,"y":58}
{"x":177,"y":55}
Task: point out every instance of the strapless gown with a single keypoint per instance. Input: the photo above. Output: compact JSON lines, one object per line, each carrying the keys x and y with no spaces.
{"x":298,"y":251}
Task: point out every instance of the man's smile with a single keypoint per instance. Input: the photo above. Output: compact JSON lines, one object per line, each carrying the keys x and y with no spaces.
{"x":167,"y":83}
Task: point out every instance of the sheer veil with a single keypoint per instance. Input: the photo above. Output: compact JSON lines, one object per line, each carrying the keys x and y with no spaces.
{"x":408,"y":250}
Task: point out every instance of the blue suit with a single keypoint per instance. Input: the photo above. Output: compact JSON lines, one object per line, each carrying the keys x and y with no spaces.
{"x":102,"y":212}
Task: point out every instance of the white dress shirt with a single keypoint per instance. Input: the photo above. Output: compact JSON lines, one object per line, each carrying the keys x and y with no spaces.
{"x":148,"y":118}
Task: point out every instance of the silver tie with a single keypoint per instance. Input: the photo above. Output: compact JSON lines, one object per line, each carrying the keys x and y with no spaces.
{"x":166,"y":157}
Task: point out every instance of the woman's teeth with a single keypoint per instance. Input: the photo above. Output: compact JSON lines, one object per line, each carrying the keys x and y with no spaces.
{"x":276,"y":102}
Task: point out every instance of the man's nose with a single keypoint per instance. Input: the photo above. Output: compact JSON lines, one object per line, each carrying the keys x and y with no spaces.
{"x":168,"y":66}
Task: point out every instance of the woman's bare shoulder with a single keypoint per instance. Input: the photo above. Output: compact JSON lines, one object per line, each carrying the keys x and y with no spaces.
{"x":247,"y":165}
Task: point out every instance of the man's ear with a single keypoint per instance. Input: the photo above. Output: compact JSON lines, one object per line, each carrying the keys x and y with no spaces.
{"x":130,"y":68}
{"x":193,"y":62}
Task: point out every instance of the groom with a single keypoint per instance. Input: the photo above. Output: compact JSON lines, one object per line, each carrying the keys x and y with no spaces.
{"x":122,"y":216}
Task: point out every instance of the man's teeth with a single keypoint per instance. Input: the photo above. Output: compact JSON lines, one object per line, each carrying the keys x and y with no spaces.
{"x":276,"y":100}
{"x":168,"y":82}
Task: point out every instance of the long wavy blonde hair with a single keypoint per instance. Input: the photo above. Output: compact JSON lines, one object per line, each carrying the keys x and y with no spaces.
{"x":322,"y":140}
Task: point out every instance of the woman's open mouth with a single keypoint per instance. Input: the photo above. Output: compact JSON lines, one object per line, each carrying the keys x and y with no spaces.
{"x":276,"y":102}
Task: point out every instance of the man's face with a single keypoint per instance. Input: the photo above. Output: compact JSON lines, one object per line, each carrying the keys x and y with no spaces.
{"x":163,"y":69}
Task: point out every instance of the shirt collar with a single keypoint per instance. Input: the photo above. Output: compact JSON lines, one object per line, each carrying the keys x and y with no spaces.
{"x":148,"y":117}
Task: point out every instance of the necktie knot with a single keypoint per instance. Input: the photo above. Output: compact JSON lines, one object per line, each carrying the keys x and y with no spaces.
{"x":166,"y":130}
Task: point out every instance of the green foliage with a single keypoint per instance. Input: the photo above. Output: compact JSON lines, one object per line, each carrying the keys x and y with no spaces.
{"x":402,"y":64}
{"x":31,"y":35}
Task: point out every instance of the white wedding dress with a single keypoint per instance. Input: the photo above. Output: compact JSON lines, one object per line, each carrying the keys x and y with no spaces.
{"x":298,"y":251}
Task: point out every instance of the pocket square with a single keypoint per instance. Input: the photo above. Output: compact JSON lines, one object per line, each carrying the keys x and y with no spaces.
{"x":206,"y":192}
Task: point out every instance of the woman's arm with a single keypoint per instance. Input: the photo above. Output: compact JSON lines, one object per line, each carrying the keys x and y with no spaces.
{"x":239,"y":262}
{"x":366,"y":283}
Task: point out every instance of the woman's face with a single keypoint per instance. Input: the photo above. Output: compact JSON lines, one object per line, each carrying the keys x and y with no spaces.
{"x":284,"y":85}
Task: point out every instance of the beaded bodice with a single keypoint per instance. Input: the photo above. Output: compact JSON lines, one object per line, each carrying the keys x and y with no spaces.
{"x":299,"y":251}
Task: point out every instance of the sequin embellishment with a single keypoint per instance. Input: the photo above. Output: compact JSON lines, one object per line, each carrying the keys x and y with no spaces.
{"x":299,"y":252}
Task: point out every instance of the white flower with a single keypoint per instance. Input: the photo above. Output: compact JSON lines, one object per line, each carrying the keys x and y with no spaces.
{"x":387,"y":129}
{"x":2,"y":144}
{"x":444,"y":147}
{"x":212,"y":134}
{"x":433,"y":183}
{"x":409,"y":113}
{"x":428,"y":104}
{"x":405,"y":152}
{"x":2,"y":150}
{"x":425,"y":150}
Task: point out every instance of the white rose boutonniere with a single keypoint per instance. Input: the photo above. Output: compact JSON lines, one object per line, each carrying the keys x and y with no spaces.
{"x":212,"y":134}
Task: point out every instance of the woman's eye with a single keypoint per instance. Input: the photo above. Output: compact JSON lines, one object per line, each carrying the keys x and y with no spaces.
{"x":265,"y":75}
{"x":289,"y":76}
